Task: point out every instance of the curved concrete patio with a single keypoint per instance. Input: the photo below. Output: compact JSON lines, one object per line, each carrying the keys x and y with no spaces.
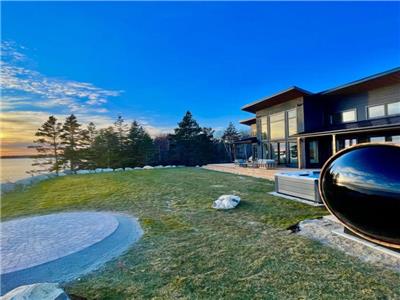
{"x":60,"y":247}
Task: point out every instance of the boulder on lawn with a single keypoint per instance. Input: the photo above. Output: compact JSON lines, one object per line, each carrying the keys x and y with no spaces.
{"x":147,"y":168}
{"x":128,"y":169}
{"x":226,"y":202}
{"x":138,"y":168}
{"x":37,"y":291}
{"x":108,"y":170}
{"x":118,"y":170}
{"x":98,"y":170}
{"x":159,"y":167}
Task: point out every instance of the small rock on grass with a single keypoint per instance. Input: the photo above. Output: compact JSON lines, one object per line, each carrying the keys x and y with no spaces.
{"x":226,"y":202}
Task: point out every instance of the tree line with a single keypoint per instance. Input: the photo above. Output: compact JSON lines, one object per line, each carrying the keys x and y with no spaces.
{"x":71,"y":146}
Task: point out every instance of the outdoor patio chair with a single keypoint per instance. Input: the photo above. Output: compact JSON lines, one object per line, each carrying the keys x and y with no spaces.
{"x":254,"y":164}
{"x":261,"y":163}
{"x":270,"y":164}
{"x":240,"y":163}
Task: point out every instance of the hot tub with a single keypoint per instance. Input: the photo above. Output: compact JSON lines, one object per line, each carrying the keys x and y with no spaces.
{"x":300,"y":184}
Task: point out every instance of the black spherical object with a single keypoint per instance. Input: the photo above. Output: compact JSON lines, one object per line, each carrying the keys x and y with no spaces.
{"x":361,"y":187}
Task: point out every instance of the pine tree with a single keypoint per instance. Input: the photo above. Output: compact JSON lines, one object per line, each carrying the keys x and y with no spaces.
{"x":88,"y":153}
{"x":121,"y":131}
{"x":105,"y":149}
{"x":92,"y":132}
{"x":230,"y":136}
{"x":205,"y":146}
{"x":188,"y":128}
{"x":190,"y":145}
{"x":49,"y":146}
{"x":140,"y":149}
{"x":74,"y":141}
{"x":161,"y":148}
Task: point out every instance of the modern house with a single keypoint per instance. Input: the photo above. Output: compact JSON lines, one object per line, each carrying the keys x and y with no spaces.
{"x":302,"y":129}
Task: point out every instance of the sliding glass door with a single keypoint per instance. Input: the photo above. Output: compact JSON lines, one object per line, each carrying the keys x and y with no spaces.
{"x":293,"y":156}
{"x":279,"y":152}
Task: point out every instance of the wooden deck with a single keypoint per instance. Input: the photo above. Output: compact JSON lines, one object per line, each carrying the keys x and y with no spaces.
{"x":255,"y":172}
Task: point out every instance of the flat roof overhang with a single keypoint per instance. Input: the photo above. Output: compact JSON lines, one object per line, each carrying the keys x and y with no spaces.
{"x":283,"y":96}
{"x":249,"y":121}
{"x":349,"y":130}
{"x":371,"y":82}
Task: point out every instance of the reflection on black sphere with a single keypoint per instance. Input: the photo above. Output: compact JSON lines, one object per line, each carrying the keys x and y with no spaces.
{"x":361,"y":187}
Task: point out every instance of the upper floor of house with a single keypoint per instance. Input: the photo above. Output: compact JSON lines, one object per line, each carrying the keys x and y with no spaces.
{"x":369,"y":102}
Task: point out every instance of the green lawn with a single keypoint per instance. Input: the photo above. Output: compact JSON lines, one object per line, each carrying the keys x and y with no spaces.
{"x":190,"y":250}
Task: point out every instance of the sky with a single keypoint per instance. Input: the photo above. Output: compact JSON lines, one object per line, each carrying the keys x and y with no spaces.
{"x":153,"y":61}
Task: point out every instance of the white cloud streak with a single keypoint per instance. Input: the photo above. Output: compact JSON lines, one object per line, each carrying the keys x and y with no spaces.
{"x":38,"y":90}
{"x":29,"y":97}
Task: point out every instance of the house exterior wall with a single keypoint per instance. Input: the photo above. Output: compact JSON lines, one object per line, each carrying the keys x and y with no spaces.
{"x":264,"y":148}
{"x":361,"y":101}
{"x":315,"y":113}
{"x":319,"y":109}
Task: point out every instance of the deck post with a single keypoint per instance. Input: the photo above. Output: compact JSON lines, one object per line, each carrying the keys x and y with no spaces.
{"x":333,"y":144}
{"x":301,"y":151}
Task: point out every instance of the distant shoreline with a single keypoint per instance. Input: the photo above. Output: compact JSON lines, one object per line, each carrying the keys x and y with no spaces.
{"x":18,"y":156}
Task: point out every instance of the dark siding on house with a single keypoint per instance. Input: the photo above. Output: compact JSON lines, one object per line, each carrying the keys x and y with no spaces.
{"x":360,"y":101}
{"x":319,"y":108}
{"x":314,"y":115}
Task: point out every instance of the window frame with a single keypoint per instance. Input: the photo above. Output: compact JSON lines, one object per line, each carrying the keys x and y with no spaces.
{"x":347,"y":110}
{"x":284,"y":126}
{"x":387,"y":108}
{"x":372,"y":118}
{"x":265,"y":117}
{"x":289,"y":118}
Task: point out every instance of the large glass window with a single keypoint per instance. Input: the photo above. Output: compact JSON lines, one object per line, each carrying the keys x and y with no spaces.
{"x":254,"y":151}
{"x":253,"y":129}
{"x":345,"y":143}
{"x":376,"y":111}
{"x":264,"y":127}
{"x":393,"y":108}
{"x":348,"y":116}
{"x":265,"y":150}
{"x":282,"y":153}
{"x":395,"y":139}
{"x":344,"y":116}
{"x":277,"y":123}
{"x":293,"y":153}
{"x":377,"y":139}
{"x":275,"y":151}
{"x":313,"y":152}
{"x":292,"y":121}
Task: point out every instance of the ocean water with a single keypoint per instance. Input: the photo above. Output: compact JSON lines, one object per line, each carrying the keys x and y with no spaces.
{"x":12,"y":169}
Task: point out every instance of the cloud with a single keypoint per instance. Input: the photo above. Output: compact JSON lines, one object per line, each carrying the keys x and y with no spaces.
{"x":40,"y":91}
{"x":29,"y":97}
{"x":156,"y":131}
{"x":365,"y":181}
